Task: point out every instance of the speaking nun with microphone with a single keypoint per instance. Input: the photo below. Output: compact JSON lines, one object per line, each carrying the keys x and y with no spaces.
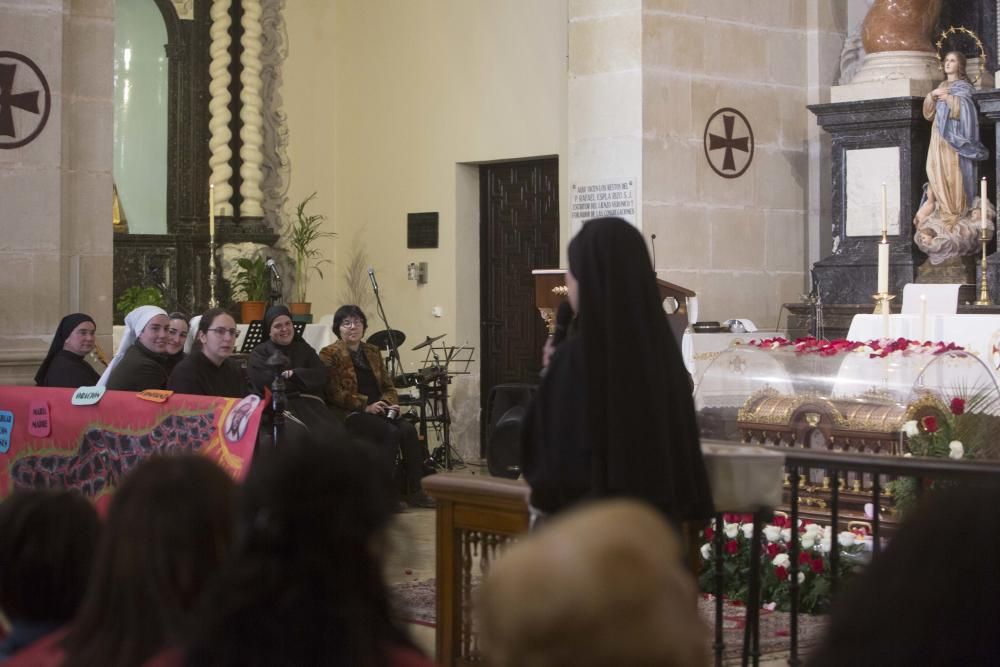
{"x":614,"y":415}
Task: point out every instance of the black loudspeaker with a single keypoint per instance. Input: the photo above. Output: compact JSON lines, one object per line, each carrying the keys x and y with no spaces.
{"x":505,"y":412}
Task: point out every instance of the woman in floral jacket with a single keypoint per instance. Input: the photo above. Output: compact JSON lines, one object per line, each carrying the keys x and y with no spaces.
{"x":360,"y":388}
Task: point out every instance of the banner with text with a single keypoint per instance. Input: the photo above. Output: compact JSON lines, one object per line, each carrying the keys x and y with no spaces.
{"x":46,"y":441}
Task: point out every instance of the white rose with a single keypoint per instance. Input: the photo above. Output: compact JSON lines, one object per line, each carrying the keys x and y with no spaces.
{"x":824,"y":545}
{"x":770,"y":606}
{"x":731,"y":530}
{"x":846,"y":538}
{"x":809,"y":540}
{"x":827,"y":532}
{"x":706,"y":551}
{"x":802,"y":577}
{"x":747,"y":529}
{"x":782,"y":560}
{"x":955,"y":449}
{"x":908,"y":455}
{"x":911,"y":429}
{"x":813,"y":529}
{"x":772,"y":533}
{"x":786,"y":534}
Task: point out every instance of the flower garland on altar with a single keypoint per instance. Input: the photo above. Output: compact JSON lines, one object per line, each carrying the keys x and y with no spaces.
{"x":873,"y":348}
{"x":814,"y":574}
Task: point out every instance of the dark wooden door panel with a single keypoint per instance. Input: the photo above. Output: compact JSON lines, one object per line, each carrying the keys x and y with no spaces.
{"x":520,"y":231}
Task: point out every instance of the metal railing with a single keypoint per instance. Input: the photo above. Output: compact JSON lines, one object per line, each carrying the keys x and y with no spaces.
{"x":835,"y":463}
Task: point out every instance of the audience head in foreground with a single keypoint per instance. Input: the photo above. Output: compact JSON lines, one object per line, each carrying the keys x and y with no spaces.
{"x":64,"y":365}
{"x":601,"y":586}
{"x":305,"y":585}
{"x":168,"y":529}
{"x":47,"y":541}
{"x":931,"y":597}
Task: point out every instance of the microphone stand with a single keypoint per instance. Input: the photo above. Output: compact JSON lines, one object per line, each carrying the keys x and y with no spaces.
{"x":395,"y":364}
{"x":275,"y":286}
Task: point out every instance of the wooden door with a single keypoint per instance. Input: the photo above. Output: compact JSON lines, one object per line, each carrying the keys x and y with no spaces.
{"x":519,"y":232}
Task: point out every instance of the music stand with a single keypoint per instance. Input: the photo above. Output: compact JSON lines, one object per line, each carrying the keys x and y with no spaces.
{"x":256,"y":335}
{"x":439,"y":365}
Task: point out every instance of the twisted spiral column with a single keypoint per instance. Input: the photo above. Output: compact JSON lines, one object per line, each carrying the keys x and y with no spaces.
{"x":218,"y":107}
{"x":251,"y":156}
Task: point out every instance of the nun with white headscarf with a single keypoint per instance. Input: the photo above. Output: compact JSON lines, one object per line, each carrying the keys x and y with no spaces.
{"x":141,"y":361}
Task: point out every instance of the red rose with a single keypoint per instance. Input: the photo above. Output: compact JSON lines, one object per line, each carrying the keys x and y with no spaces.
{"x":780,"y":521}
{"x":957,"y":406}
{"x":781,"y":573}
{"x":929,"y":423}
{"x":805,"y":558}
{"x":773,"y":550}
{"x":732,"y":546}
{"x":817,"y":566}
{"x":709,"y":534}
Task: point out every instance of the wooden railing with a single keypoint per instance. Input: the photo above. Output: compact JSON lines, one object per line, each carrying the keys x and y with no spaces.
{"x":476,"y":518}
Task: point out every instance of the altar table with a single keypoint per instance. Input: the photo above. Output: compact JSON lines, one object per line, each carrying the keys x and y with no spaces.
{"x":978,"y":334}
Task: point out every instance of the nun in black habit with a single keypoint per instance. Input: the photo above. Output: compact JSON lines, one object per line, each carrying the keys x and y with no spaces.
{"x":305,"y":373}
{"x":64,"y":365}
{"x":614,"y":414}
{"x":305,"y":377}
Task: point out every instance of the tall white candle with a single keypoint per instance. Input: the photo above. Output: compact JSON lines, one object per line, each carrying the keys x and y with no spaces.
{"x":211,"y":209}
{"x":883,"y":268}
{"x":983,"y":200}
{"x":885,"y":216}
{"x":885,"y":319}
{"x":923,"y":317}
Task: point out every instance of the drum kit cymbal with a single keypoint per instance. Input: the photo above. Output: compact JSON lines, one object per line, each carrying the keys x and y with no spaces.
{"x":381,"y":339}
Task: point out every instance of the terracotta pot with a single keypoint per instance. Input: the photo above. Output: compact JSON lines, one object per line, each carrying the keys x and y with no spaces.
{"x":252,"y":310}
{"x":299,"y":308}
{"x":900,"y":25}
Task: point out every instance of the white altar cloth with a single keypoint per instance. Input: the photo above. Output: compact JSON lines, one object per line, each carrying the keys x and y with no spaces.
{"x":978,"y":334}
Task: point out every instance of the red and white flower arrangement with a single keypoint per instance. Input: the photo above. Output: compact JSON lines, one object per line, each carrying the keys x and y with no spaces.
{"x":873,"y":348}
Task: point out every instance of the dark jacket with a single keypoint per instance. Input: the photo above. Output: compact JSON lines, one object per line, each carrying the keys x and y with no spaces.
{"x":309,"y":373}
{"x":139,"y":369}
{"x":69,"y":370}
{"x":196,"y":374}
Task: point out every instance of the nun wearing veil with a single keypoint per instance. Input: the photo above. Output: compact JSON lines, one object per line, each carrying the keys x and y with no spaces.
{"x":141,"y":360}
{"x":64,"y":365}
{"x":614,"y":414}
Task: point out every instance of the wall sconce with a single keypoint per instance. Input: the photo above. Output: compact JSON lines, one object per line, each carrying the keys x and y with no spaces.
{"x":418,"y":272}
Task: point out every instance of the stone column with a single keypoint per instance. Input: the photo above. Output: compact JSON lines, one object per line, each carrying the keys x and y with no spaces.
{"x":55,"y":178}
{"x":250,"y":113}
{"x":218,"y":106}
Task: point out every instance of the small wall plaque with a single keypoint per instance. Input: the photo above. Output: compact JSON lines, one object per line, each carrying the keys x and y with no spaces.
{"x":422,"y":230}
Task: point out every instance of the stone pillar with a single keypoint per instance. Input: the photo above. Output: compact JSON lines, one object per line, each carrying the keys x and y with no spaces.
{"x":55,"y":179}
{"x":250,"y":114}
{"x":218,"y":106}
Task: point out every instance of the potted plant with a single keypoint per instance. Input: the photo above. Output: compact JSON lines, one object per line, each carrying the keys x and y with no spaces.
{"x":136,"y":296}
{"x":302,"y":235}
{"x":251,"y":283}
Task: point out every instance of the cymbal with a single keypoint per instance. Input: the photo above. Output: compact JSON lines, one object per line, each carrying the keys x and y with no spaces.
{"x":428,"y":341}
{"x":380,"y":339}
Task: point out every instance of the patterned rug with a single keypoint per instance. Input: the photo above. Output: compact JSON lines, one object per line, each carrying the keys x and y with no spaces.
{"x":414,"y":603}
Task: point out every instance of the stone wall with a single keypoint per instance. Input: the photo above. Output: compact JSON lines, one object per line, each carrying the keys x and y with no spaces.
{"x":56,"y":190}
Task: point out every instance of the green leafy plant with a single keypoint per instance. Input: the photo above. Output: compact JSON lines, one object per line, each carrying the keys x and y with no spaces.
{"x":136,"y":296}
{"x":250,"y":279}
{"x":302,"y":236}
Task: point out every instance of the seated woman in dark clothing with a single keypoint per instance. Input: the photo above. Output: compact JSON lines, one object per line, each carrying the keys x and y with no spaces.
{"x":614,"y":415}
{"x":47,"y":541}
{"x":359,"y":386}
{"x":141,"y":361}
{"x":177,"y":333}
{"x":64,"y":365}
{"x":305,"y":583}
{"x":306,"y":372}
{"x":208,"y":371}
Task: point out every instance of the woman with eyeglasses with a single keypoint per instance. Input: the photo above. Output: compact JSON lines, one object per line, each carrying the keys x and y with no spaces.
{"x":177,"y":333}
{"x":361,"y":389}
{"x":209,"y":371}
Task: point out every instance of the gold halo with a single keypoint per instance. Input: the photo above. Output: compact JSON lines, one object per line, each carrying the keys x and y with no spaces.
{"x":982,"y":52}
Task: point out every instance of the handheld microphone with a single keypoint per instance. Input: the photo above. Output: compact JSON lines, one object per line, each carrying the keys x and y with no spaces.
{"x":371,"y":275}
{"x":564,"y":315}
{"x":273,"y":266}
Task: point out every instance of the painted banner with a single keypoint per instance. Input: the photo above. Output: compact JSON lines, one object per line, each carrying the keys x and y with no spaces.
{"x":47,"y":441}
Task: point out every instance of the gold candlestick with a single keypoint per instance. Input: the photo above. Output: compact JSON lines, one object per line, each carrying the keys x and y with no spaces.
{"x":882,"y":300}
{"x":984,"y":293}
{"x":212,"y":301}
